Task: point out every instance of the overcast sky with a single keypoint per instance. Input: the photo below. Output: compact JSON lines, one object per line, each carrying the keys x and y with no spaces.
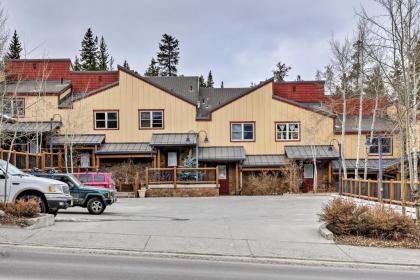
{"x":239,"y":40}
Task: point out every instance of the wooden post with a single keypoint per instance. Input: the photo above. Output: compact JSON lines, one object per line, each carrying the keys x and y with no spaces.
{"x":158,"y":158}
{"x":368,"y":187}
{"x":136,"y":184}
{"x":217,"y":177}
{"x":43,"y":161}
{"x":351,"y":187}
{"x":360,"y":187}
{"x":174,"y":177}
{"x":391,"y":191}
{"x":60,"y":160}
{"x":329,"y":174}
{"x":405,"y":190}
{"x":98,"y":161}
{"x":51,"y":160}
{"x":236,"y":178}
{"x":27,"y":161}
{"x":146,"y":176}
{"x":379,"y":190}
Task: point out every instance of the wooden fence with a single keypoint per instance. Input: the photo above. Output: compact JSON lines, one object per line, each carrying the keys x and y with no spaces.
{"x":174,"y":176}
{"x":370,"y":190}
{"x":27,"y":161}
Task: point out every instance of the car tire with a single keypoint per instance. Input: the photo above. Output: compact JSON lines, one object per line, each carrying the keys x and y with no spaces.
{"x":42,"y":205}
{"x":54,"y":212}
{"x":96,"y":206}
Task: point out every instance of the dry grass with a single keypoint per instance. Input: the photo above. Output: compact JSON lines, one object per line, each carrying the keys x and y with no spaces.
{"x":17,"y":213}
{"x":349,"y":221}
{"x":264,"y":184}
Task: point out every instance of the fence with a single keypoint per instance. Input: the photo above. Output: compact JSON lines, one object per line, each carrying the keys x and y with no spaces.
{"x":175,"y":176}
{"x":27,"y":161}
{"x":370,"y":190}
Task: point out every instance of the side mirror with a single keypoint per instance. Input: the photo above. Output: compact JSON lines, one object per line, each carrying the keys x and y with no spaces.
{"x":2,"y":175}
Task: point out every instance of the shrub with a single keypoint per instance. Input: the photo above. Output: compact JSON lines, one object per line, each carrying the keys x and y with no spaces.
{"x":264,"y":184}
{"x":347,"y":218}
{"x":23,"y":208}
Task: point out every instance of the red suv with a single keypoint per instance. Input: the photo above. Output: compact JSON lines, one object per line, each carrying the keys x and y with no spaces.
{"x":96,"y":179}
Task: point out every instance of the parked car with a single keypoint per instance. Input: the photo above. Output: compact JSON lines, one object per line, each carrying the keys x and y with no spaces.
{"x":92,"y":198}
{"x":51,"y":194}
{"x":96,"y":179}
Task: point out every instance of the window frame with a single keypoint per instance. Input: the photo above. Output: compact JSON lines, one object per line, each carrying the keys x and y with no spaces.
{"x":377,"y":145}
{"x":242,"y":123}
{"x":151,"y":111}
{"x":11,"y":101}
{"x":106,"y":119}
{"x":288,"y":131}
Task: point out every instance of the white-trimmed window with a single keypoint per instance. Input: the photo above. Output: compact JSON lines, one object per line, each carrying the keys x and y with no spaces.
{"x":386,"y":145}
{"x":242,"y":131}
{"x":287,"y":131}
{"x":14,"y":107}
{"x":151,"y":119}
{"x":106,"y":119}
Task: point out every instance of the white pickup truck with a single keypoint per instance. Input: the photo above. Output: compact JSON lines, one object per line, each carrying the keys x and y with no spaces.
{"x":15,"y":184}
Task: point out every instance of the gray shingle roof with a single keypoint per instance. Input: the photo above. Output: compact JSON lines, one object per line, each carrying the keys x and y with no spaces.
{"x":125,"y":148}
{"x":306,"y":152}
{"x":185,"y":87}
{"x":373,"y":164}
{"x":173,"y":139}
{"x":265,"y":160}
{"x":221,"y":153}
{"x":352,"y":124}
{"x":52,"y":87}
{"x":30,"y":127}
{"x":79,"y":139}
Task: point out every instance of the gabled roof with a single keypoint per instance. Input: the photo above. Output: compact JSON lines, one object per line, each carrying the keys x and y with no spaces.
{"x":225,"y":153}
{"x":79,"y":139}
{"x":265,"y":161}
{"x":352,"y":124}
{"x":186,"y":87}
{"x":306,"y":152}
{"x":174,"y":139}
{"x":35,"y":87}
{"x":125,"y":148}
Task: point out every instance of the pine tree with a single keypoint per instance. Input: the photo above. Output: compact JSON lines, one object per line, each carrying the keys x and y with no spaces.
{"x":125,"y":65}
{"x":88,"y":53}
{"x":111,"y":64}
{"x":76,"y":64}
{"x":210,"y":82}
{"x":153,"y":69}
{"x":222,"y":85}
{"x":281,"y":72}
{"x":168,"y":55}
{"x":15,"y":48}
{"x":103,"y":55}
{"x":201,"y":81}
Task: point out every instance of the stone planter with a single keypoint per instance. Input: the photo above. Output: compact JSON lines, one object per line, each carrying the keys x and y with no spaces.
{"x":142,"y":192}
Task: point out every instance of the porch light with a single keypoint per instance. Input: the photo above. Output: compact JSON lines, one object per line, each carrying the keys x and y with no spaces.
{"x":206,"y":140}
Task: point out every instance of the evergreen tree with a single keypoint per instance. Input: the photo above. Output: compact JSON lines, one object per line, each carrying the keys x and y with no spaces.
{"x":89,"y":51}
{"x":281,"y":72}
{"x":76,"y":64}
{"x":222,"y":85}
{"x":15,"y":48}
{"x":201,"y":81}
{"x":125,"y":65}
{"x":210,"y":81}
{"x":375,"y":84}
{"x":103,"y":55}
{"x":153,"y":69}
{"x":111,"y":64}
{"x":168,"y":55}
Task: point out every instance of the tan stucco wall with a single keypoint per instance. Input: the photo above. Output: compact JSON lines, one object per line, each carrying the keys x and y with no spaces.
{"x":40,"y":108}
{"x":259,"y":106}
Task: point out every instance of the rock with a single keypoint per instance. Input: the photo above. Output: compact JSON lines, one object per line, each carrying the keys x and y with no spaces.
{"x":2,"y":214}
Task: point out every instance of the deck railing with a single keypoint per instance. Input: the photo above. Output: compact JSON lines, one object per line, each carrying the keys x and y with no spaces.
{"x":370,"y":190}
{"x":27,"y":161}
{"x":175,"y":176}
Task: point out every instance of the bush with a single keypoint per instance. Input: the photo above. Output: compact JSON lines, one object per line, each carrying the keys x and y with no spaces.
{"x":347,"y":218}
{"x":23,"y":208}
{"x":264,"y":184}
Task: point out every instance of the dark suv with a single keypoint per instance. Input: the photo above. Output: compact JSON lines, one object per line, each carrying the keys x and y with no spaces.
{"x":94,"y":199}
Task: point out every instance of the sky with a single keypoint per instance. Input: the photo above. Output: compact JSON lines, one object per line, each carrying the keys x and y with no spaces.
{"x":240,"y":41}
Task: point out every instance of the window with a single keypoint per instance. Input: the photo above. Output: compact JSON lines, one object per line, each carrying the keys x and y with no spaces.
{"x":287,"y":131}
{"x":172,"y":159}
{"x":14,"y":107}
{"x":99,"y":178}
{"x":386,"y":145}
{"x":106,"y":120}
{"x":151,"y":119}
{"x":242,"y":131}
{"x":85,"y":178}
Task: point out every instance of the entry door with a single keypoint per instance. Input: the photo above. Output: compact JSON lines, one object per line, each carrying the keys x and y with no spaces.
{"x":308,"y":177}
{"x":223,"y":179}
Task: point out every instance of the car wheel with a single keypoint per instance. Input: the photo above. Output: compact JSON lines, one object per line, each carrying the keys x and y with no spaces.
{"x":42,"y":205}
{"x":96,"y":206}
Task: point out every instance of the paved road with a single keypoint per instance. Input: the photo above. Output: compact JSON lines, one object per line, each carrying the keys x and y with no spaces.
{"x":28,"y":264}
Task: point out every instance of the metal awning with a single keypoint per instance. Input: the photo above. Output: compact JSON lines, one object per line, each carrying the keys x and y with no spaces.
{"x":221,"y":153}
{"x":307,"y":151}
{"x":174,"y":139}
{"x":124,"y":149}
{"x":265,"y":161}
{"x":30,"y":127}
{"x":78,"y":139}
{"x":372,"y":164}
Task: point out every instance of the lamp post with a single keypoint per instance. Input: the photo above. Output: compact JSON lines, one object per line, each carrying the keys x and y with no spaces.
{"x":368,"y":145}
{"x":340,"y":164}
{"x":206,"y":141}
{"x":51,"y":128}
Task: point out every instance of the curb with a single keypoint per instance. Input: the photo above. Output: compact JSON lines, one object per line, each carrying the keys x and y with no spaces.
{"x":325,"y":232}
{"x":44,"y":220}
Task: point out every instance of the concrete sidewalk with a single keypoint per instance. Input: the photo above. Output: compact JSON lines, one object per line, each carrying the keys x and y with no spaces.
{"x":256,"y":227}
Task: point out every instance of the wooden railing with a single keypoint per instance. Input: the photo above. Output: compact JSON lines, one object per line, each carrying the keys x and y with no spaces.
{"x":175,"y":176}
{"x":27,"y":161}
{"x":370,"y":190}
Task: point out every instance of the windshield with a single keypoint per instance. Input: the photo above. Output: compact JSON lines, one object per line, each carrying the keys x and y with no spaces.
{"x":74,"y":179}
{"x":11,"y":169}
